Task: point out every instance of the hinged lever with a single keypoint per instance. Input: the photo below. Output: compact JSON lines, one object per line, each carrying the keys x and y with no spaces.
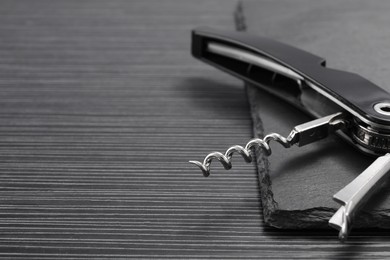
{"x":356,"y":193}
{"x":316,"y":130}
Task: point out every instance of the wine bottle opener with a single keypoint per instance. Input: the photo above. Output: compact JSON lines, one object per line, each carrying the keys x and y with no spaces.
{"x":341,"y":102}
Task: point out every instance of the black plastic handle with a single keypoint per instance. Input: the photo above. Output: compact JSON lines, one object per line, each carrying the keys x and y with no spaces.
{"x":348,"y":90}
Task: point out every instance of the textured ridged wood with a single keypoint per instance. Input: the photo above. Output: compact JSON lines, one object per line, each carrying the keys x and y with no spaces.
{"x":101,"y":108}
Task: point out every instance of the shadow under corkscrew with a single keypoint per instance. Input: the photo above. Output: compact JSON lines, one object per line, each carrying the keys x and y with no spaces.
{"x":245,"y":152}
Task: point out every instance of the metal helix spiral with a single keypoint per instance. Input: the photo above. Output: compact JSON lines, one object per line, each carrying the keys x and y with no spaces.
{"x":245,"y":152}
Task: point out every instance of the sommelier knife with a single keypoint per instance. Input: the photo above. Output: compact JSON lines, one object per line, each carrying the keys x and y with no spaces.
{"x":341,"y":102}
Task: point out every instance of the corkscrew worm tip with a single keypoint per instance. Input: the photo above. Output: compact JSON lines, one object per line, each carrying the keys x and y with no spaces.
{"x":206,"y":172}
{"x":245,"y":152}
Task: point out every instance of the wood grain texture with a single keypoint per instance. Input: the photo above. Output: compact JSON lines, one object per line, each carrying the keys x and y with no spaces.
{"x":101,"y":108}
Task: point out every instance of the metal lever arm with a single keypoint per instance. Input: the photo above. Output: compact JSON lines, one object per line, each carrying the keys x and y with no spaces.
{"x":355,"y":194}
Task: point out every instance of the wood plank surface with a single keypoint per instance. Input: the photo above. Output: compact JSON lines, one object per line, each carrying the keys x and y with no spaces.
{"x":101,"y":108}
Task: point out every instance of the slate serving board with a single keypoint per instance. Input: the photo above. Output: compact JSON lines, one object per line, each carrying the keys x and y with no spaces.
{"x":297,"y":184}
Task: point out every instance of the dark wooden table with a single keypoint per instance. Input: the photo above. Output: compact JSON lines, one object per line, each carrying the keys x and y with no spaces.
{"x":101,"y":107}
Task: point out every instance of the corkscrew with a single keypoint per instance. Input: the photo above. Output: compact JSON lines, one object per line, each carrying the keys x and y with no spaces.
{"x":301,"y":135}
{"x":341,"y":102}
